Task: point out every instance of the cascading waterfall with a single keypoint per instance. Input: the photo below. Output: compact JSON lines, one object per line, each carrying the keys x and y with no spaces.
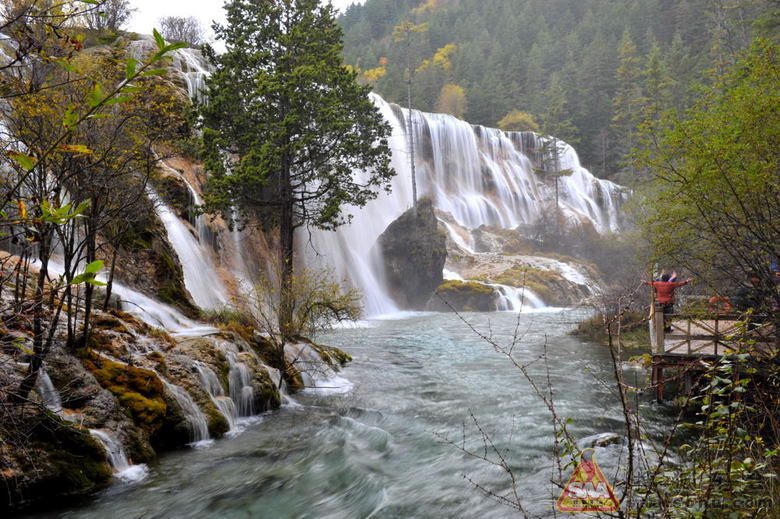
{"x":211,"y":384}
{"x":476,"y":175}
{"x":199,"y":429}
{"x":480,"y":176}
{"x":240,"y":381}
{"x":241,"y":400}
{"x":189,"y":65}
{"x":48,"y":393}
{"x":117,"y":457}
{"x":517,"y":299}
{"x":201,"y":278}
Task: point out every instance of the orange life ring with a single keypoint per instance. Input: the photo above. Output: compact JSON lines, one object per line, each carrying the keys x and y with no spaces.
{"x":719,"y":305}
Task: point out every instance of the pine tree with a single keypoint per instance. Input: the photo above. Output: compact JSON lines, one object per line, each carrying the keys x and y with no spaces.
{"x":628,"y":98}
{"x":286,"y":125}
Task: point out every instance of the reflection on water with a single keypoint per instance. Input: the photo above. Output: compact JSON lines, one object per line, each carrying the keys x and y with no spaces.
{"x":377,"y":450}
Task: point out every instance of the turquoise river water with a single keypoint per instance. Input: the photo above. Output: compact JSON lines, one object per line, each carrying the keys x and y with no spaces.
{"x":377,"y":445}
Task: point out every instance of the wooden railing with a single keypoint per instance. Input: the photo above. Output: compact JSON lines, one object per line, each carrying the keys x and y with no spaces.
{"x":710,"y":334}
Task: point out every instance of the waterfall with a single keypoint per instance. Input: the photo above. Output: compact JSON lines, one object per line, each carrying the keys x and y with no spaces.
{"x":117,"y":457}
{"x":199,"y":429}
{"x":517,"y":299}
{"x":188,"y":65}
{"x":48,"y":393}
{"x":211,"y":384}
{"x":477,"y":175}
{"x":201,"y":277}
{"x":240,"y":381}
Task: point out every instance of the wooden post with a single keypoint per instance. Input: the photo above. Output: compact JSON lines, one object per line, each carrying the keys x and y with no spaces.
{"x":657,"y":330}
{"x":658,"y":381}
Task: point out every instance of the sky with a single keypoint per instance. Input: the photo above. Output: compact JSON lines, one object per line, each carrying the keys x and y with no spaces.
{"x":150,"y":11}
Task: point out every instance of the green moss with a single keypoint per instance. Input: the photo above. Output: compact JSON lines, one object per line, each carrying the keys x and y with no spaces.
{"x":455,"y":286}
{"x":108,"y":322}
{"x":159,"y":359}
{"x":58,"y":459}
{"x":332,"y":355}
{"x":217,"y":423}
{"x":139,"y":390}
{"x":464,"y":296}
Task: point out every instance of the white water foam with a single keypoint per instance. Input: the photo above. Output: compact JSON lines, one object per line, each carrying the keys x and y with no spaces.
{"x":118,"y":459}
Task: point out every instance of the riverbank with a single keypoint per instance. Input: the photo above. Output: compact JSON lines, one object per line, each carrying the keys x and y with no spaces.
{"x":108,"y":408}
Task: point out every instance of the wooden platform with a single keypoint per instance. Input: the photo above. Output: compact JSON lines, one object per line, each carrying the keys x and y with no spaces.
{"x":695,"y":341}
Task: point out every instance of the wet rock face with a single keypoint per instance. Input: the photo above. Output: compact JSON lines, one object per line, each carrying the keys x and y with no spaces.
{"x":50,"y":457}
{"x":414,"y":250}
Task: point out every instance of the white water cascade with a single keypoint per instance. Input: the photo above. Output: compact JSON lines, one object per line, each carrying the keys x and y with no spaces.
{"x":199,"y":429}
{"x":240,"y":381}
{"x":188,"y":64}
{"x":213,"y":387}
{"x":514,"y":299}
{"x":48,"y":393}
{"x":201,"y":278}
{"x":117,"y":457}
{"x":480,"y":176}
{"x":476,"y":175}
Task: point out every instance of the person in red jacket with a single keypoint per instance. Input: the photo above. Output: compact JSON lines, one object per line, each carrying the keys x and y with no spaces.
{"x":664,"y":295}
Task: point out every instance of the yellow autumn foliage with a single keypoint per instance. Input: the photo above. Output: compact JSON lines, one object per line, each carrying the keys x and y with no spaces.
{"x":452,"y":100}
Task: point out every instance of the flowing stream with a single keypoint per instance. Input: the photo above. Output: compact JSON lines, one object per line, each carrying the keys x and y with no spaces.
{"x":378,"y":449}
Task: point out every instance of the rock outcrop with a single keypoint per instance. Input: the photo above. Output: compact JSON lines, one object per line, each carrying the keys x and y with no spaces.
{"x":463,"y":296}
{"x":414,"y":252}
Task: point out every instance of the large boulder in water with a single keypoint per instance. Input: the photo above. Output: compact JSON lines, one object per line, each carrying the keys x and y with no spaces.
{"x":414,"y":250}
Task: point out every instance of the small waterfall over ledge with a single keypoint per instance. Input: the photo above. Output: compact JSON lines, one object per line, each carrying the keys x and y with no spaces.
{"x":477,"y":175}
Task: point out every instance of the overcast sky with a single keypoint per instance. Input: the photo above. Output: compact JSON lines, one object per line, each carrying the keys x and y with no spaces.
{"x":150,"y":11}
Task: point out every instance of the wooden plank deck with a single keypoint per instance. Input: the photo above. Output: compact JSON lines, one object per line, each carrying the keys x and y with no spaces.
{"x":694,"y":339}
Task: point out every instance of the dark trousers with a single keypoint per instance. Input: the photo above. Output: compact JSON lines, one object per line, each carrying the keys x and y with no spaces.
{"x":668,"y":309}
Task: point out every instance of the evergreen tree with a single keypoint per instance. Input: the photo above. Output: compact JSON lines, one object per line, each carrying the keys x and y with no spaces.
{"x":628,"y":98}
{"x":286,"y":125}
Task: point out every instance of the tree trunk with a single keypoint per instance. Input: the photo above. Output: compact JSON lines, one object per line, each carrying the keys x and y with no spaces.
{"x":88,"y":288}
{"x":110,"y":282}
{"x":36,"y":359}
{"x":287,"y":303}
{"x":411,"y":139}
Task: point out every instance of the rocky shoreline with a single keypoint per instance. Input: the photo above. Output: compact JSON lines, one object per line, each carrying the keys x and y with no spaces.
{"x":133,"y":392}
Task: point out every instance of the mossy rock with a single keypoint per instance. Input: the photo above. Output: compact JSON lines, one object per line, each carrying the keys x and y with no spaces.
{"x":217,"y":423}
{"x":138,"y":390}
{"x":112,"y":343}
{"x":56,"y":459}
{"x":267,"y":395}
{"x":273,"y":355}
{"x":463,"y":296}
{"x":109,"y":322}
{"x":331,"y":355}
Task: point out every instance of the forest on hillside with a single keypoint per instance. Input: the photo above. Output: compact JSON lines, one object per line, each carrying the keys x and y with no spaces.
{"x":586,"y":71}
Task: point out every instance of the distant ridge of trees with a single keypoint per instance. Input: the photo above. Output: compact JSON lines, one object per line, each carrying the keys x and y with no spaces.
{"x":604,"y":63}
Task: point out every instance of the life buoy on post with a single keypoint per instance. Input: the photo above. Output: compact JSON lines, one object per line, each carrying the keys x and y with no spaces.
{"x":719,"y":305}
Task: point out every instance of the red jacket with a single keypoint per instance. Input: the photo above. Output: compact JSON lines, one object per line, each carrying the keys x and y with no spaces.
{"x":664,"y":290}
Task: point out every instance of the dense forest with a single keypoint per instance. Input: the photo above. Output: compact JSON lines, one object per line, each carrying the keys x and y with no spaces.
{"x":586,"y":71}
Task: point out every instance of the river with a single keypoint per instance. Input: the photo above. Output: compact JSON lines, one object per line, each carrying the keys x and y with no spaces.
{"x":376,"y":446}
